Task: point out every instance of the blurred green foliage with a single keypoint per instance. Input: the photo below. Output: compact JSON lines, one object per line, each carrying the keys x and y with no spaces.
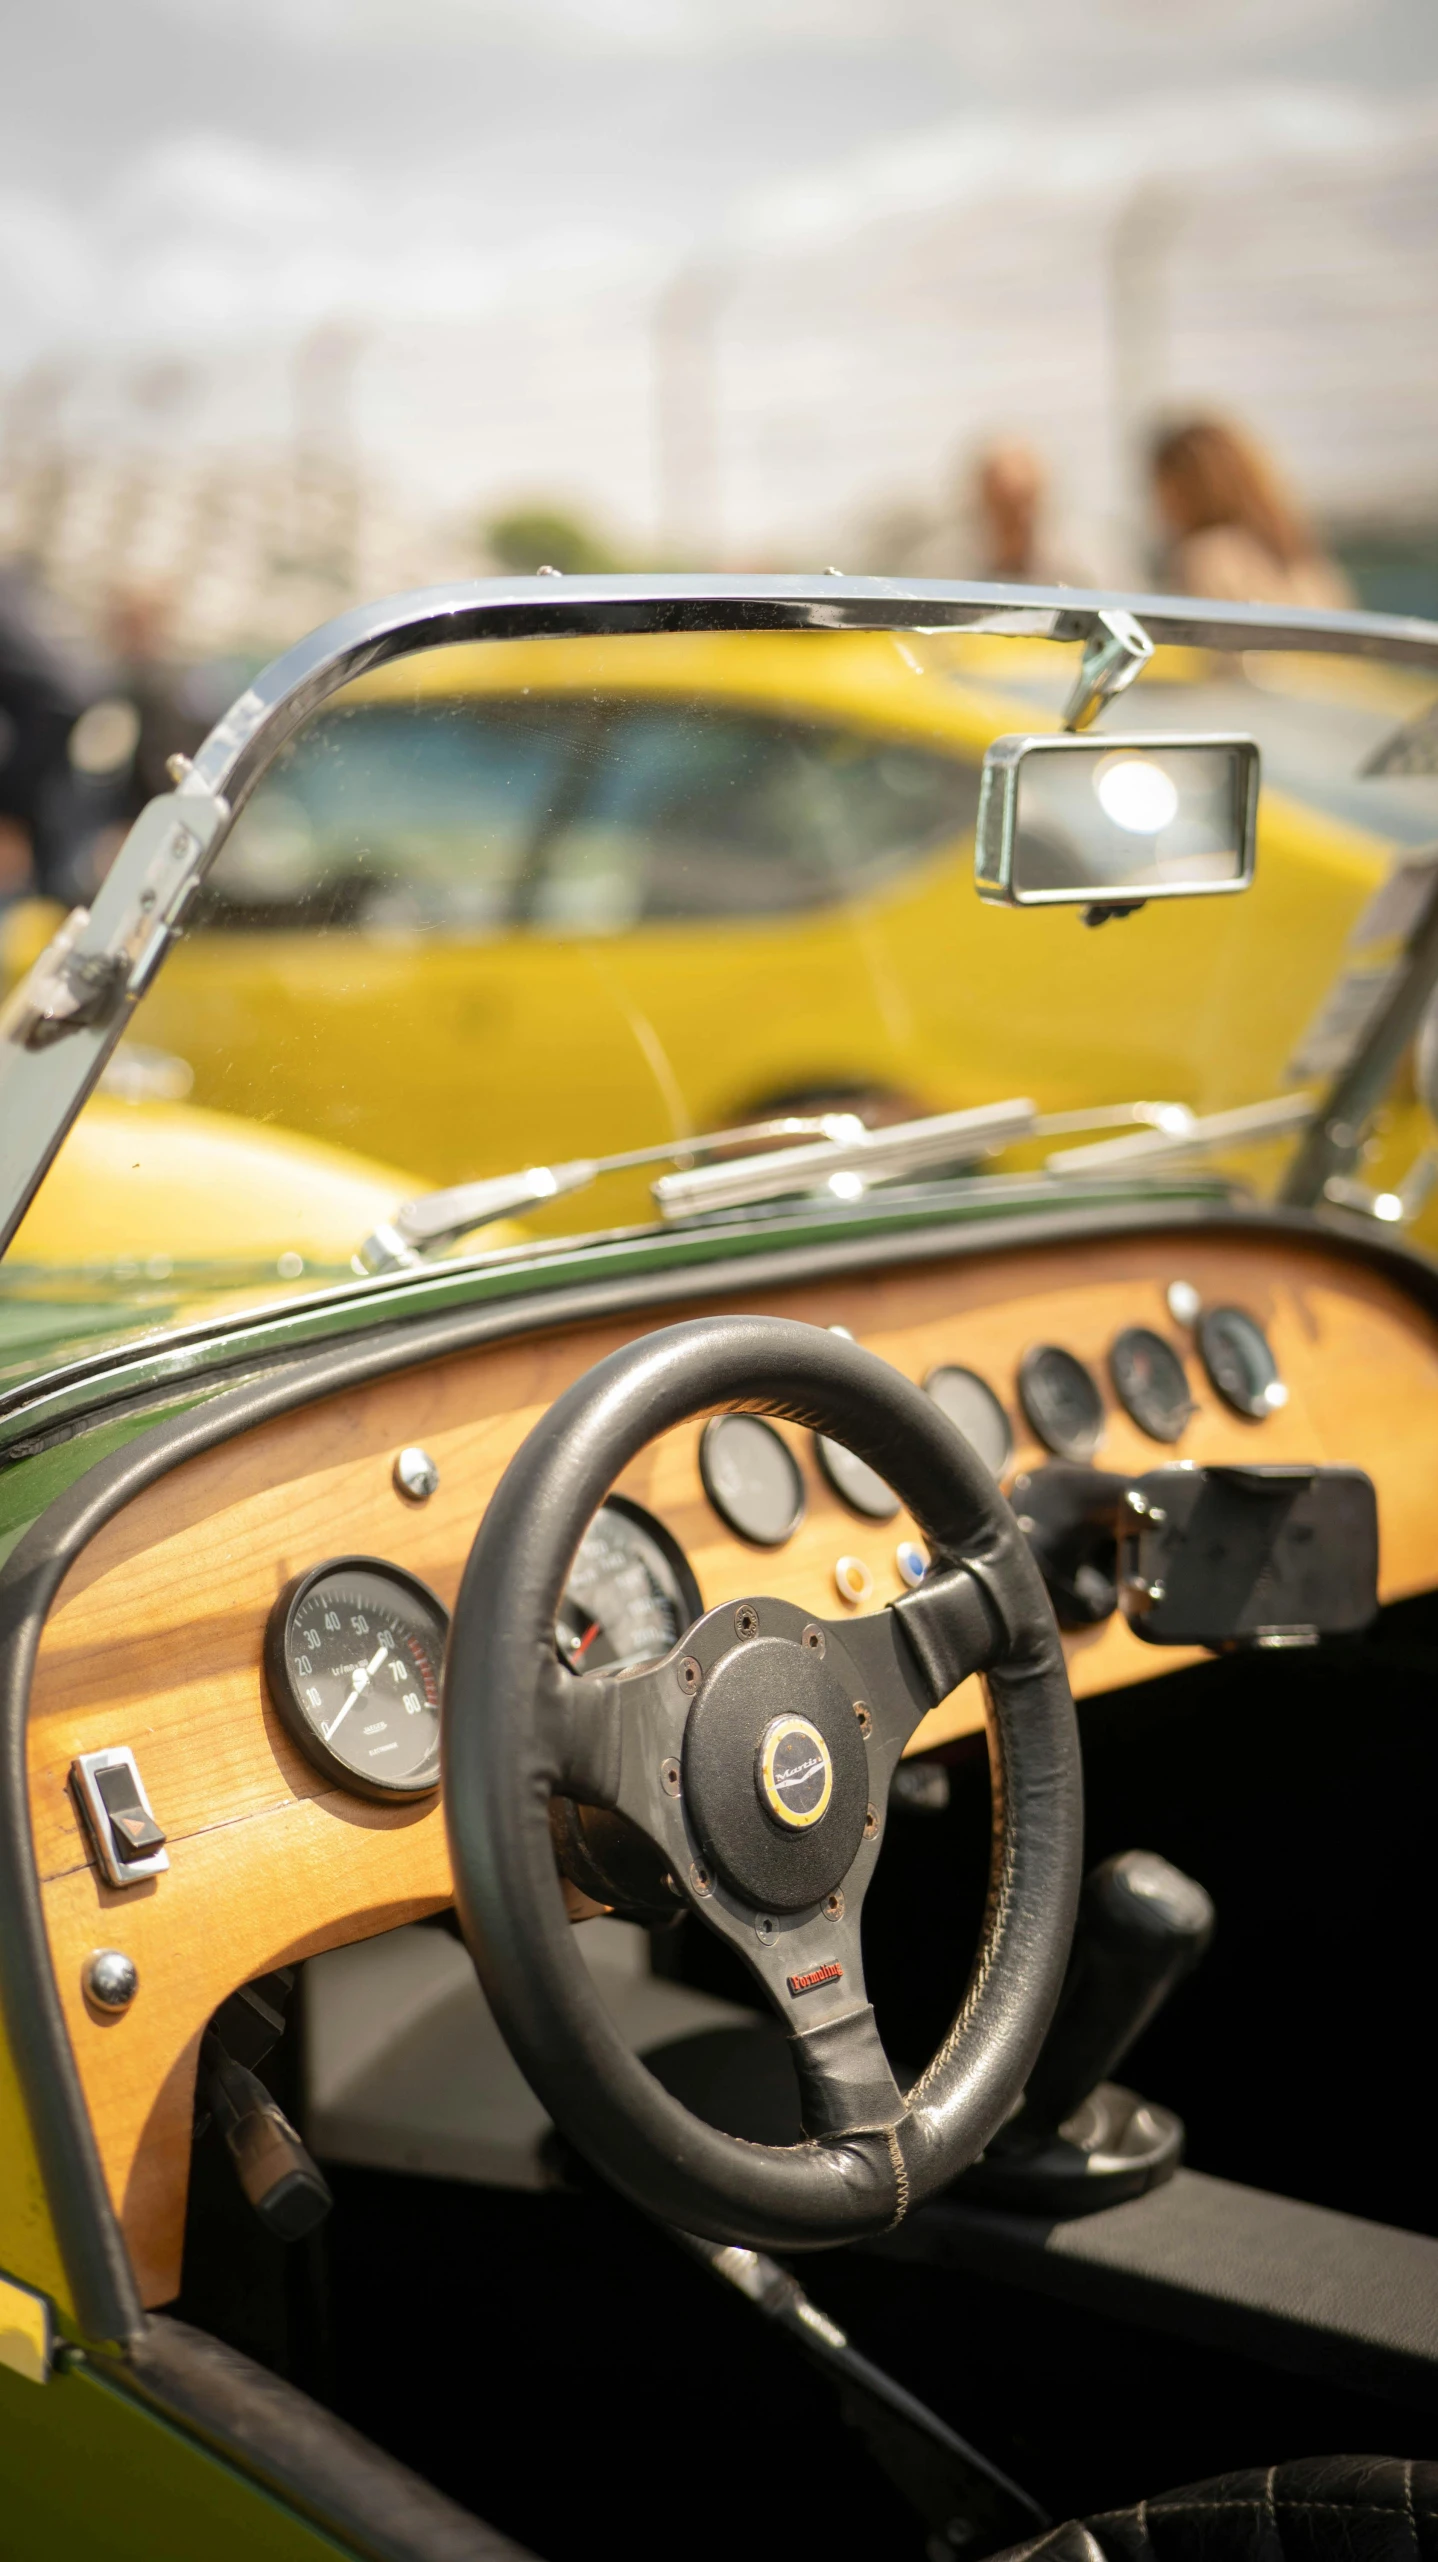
{"x":531,"y":538}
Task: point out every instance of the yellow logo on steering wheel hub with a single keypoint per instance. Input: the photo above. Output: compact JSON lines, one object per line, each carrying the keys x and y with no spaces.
{"x":795,"y":1773}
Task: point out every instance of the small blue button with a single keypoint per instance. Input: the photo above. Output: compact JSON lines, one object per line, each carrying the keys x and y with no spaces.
{"x":912,"y":1563}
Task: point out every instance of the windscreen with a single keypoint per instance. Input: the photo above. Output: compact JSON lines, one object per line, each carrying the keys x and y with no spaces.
{"x":519,"y":903}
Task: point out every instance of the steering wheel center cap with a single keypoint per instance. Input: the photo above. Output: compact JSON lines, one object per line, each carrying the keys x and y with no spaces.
{"x":795,"y":1773}
{"x":776,"y":1769}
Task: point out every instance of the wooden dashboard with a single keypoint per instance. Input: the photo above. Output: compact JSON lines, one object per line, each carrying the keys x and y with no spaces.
{"x":155,"y":1640}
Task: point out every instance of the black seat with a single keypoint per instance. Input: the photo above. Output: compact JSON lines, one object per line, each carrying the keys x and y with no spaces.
{"x":1339,"y":2508}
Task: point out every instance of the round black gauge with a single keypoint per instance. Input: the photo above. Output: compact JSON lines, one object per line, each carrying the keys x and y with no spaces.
{"x":1061,"y":1400}
{"x":1150,"y":1382}
{"x":751,"y":1477}
{"x":353,"y":1655}
{"x":970,"y":1404}
{"x":631,"y":1592}
{"x":1239,"y":1360}
{"x":854,"y":1481}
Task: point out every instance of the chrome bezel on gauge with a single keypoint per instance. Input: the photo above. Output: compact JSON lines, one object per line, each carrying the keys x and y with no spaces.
{"x":296,"y":1719}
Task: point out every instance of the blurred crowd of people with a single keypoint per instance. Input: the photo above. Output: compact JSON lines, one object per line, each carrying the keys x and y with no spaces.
{"x":1227,"y":526}
{"x":81,"y":753}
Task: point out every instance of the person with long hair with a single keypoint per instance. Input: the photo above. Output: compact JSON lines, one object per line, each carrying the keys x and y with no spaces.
{"x":1233,"y":530}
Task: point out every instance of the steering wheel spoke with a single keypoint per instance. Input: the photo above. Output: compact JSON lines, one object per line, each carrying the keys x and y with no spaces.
{"x":909,"y":1657}
{"x":811,"y":1967}
{"x":617,"y":1742}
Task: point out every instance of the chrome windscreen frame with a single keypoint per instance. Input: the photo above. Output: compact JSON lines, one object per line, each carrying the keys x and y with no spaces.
{"x":61,"y":1024}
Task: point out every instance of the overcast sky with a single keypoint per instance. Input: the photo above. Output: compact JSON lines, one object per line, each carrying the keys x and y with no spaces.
{"x":173,"y":170}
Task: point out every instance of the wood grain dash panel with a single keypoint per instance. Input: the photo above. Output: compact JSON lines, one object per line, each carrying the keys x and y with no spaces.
{"x":155,"y":1639}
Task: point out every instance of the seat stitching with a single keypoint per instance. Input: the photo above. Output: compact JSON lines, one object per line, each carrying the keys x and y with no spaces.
{"x":1408,"y":2503}
{"x":1268,"y":2481}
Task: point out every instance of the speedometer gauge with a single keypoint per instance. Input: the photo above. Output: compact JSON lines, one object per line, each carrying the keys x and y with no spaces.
{"x":631,"y":1593}
{"x":353,"y":1655}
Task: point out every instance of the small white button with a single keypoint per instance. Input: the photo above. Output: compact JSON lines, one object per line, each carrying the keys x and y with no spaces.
{"x":1183,"y":1302}
{"x":852,"y":1580}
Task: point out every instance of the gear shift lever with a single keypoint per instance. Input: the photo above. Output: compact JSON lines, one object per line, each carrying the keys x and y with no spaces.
{"x":1081,"y":2141}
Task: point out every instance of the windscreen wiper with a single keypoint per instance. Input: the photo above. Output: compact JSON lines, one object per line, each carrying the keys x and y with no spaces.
{"x":842,"y":1155}
{"x":1281,"y":1117}
{"x":424,"y":1228}
{"x":843,"y":1158}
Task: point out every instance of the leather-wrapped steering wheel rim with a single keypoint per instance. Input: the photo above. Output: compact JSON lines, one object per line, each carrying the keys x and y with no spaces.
{"x":519,"y":1729}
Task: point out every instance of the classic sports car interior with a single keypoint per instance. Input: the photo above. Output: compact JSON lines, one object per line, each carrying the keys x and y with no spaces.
{"x":764,"y":1876}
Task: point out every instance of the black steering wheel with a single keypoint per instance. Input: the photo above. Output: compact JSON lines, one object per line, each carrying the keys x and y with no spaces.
{"x":756,"y":1758}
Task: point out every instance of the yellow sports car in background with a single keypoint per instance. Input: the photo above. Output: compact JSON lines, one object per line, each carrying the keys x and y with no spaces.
{"x":522,"y":900}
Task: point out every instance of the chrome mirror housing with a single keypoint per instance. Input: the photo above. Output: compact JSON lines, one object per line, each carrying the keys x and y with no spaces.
{"x":1106,"y":823}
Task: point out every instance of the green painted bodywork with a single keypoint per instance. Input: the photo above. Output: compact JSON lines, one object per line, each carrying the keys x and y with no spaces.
{"x":87,"y":2470}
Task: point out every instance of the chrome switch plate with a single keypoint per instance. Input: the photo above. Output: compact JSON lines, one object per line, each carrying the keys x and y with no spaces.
{"x":84,"y":1776}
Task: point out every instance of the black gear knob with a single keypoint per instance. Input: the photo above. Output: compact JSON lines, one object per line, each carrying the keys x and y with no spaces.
{"x":1142,"y":1927}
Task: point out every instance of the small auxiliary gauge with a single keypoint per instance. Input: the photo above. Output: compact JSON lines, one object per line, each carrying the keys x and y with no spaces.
{"x":1061,"y":1401}
{"x":971,"y":1405}
{"x":1150,"y":1382}
{"x":854,"y":1481}
{"x":353,"y":1655}
{"x":751,"y":1477}
{"x":1239,"y":1360}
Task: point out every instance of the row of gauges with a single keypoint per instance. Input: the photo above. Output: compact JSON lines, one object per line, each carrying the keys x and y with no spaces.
{"x":754,"y":1482}
{"x":354,"y":1649}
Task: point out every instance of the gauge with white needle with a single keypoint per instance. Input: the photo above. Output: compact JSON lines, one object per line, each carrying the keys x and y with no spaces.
{"x":354,"y":1651}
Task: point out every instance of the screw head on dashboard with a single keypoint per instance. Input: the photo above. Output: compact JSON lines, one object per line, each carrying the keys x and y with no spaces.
{"x":111,"y":1979}
{"x":416,"y":1475}
{"x":690,"y":1674}
{"x":670,"y":1778}
{"x":746,"y":1620}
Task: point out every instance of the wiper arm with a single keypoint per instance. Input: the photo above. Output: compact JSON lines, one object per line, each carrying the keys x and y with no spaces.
{"x":1283,"y":1116}
{"x":424,"y":1227}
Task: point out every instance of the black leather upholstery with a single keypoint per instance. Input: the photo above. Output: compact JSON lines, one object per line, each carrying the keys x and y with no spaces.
{"x":1330,"y":2508}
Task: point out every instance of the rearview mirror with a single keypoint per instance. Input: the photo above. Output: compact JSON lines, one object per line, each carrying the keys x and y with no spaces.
{"x":1110,"y":822}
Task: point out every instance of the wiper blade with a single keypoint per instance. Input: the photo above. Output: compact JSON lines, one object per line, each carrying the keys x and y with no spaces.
{"x":1281,"y":1117}
{"x":846,"y":1165}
